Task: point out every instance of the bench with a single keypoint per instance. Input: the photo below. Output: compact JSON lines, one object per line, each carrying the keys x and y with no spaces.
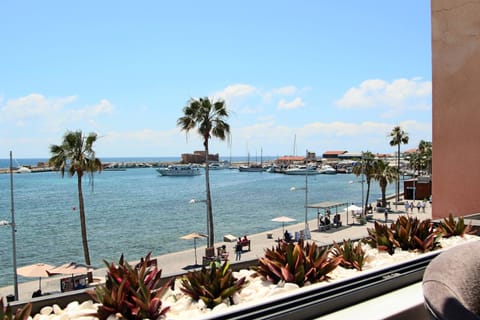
{"x":245,"y":243}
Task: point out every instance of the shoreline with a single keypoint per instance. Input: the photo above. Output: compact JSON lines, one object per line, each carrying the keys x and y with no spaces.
{"x":175,"y":263}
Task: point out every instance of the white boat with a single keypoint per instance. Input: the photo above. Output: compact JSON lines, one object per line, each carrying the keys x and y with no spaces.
{"x":23,"y":169}
{"x":327,"y":169}
{"x":179,"y":170}
{"x":216,"y":166}
{"x":302,"y":170}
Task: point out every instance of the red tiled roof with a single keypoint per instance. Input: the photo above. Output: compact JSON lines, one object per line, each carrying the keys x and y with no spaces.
{"x":334,"y":152}
{"x":291,"y":158}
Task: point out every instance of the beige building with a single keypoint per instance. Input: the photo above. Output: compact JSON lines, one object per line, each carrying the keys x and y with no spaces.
{"x":456,"y":107}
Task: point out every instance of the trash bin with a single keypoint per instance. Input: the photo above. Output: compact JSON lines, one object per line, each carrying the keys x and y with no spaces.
{"x":10,"y":298}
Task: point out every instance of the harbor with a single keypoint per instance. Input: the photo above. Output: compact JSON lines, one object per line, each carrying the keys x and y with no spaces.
{"x":136,"y":211}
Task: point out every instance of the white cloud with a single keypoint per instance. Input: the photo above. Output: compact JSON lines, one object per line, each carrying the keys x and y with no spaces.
{"x":235,"y":91}
{"x":285,"y":91}
{"x":88,"y":112}
{"x":34,"y":105}
{"x":392,"y":98}
{"x":294,"y":104}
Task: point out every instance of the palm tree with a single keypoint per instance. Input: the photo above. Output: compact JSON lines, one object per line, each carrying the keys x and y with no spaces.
{"x":76,"y":156}
{"x":384,"y":174}
{"x":209,"y":119}
{"x":367,"y":169}
{"x":398,"y":137}
{"x":425,"y":149}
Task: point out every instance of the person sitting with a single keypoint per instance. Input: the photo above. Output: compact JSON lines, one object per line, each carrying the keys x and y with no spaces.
{"x":327,"y":220}
{"x":245,"y":240}
{"x":322,"y":221}
{"x":287,"y":236}
{"x":37,"y":293}
{"x":336,"y":221}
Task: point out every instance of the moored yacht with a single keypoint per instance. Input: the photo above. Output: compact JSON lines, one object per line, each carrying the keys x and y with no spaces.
{"x":179,"y":170}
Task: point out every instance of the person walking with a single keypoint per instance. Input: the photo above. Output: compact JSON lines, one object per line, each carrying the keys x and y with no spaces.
{"x":238,"y":251}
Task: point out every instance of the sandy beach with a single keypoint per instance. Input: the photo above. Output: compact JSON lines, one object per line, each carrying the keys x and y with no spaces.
{"x":178,"y":262}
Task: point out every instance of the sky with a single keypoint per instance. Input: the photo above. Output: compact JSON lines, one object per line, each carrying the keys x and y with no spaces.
{"x":295,"y":75}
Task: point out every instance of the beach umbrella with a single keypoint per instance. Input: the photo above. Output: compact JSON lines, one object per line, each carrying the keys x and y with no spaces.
{"x":71,"y":268}
{"x":35,"y":270}
{"x":194,"y":236}
{"x":353,"y":209}
{"x":283,"y":219}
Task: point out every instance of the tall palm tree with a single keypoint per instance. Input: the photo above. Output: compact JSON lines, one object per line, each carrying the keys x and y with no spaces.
{"x":384,"y":174}
{"x":367,"y":169}
{"x":398,"y":137}
{"x":76,"y":156}
{"x":209,"y":119}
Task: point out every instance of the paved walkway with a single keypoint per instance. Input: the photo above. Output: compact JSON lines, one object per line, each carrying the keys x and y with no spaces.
{"x":177,"y":262}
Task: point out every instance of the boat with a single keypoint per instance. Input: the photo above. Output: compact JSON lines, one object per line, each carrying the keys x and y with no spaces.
{"x":327,"y":169}
{"x":302,"y":170}
{"x":179,"y":170}
{"x":23,"y":169}
{"x":252,"y":168}
{"x":216,"y":166}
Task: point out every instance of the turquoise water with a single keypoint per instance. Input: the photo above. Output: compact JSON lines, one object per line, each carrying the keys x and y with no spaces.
{"x":137,"y":211}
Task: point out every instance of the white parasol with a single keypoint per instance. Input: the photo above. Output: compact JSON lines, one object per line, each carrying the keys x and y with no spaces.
{"x":283,"y":219}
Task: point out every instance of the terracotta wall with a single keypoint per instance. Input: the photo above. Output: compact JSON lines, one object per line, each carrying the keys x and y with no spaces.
{"x":456,"y":107}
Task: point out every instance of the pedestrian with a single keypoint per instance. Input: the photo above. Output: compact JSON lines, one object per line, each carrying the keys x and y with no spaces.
{"x":407,"y":206}
{"x":423,"y":206}
{"x":418,"y":206}
{"x":411,"y":207}
{"x":386,"y":214}
{"x":238,"y":251}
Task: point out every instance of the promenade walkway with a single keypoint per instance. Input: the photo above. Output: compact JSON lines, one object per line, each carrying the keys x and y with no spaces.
{"x":177,"y":262}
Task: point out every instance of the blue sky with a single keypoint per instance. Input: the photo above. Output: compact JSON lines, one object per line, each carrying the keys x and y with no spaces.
{"x":330,"y":75}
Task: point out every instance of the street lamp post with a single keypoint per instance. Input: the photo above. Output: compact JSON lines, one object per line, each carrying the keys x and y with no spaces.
{"x":193,"y":201}
{"x":12,"y":224}
{"x":307,"y":230}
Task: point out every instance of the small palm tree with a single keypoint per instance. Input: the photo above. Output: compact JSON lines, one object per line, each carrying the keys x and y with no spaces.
{"x":76,"y":156}
{"x":209,"y":119}
{"x":367,"y":169}
{"x":384,"y":174}
{"x":398,"y":137}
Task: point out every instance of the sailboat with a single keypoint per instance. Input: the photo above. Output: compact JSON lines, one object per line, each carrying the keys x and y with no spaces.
{"x":253,"y":167}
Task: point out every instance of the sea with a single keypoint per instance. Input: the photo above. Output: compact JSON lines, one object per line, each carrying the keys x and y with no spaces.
{"x":137,"y":211}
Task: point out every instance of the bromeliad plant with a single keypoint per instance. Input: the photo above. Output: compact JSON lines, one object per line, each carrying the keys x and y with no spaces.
{"x":351,"y":254}
{"x":450,"y":227}
{"x":133,"y":292}
{"x":298,"y":263}
{"x":382,"y":238}
{"x":406,"y":233}
{"x":21,"y":313}
{"x":413,"y":234}
{"x":213,"y":285}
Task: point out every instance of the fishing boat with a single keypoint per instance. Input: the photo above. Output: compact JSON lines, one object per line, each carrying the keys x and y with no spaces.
{"x":179,"y":170}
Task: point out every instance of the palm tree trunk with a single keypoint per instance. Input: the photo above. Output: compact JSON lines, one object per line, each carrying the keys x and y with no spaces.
{"x":367,"y":195}
{"x":398,"y":173}
{"x":383,"y":188}
{"x":83,"y":224}
{"x":211,"y":236}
